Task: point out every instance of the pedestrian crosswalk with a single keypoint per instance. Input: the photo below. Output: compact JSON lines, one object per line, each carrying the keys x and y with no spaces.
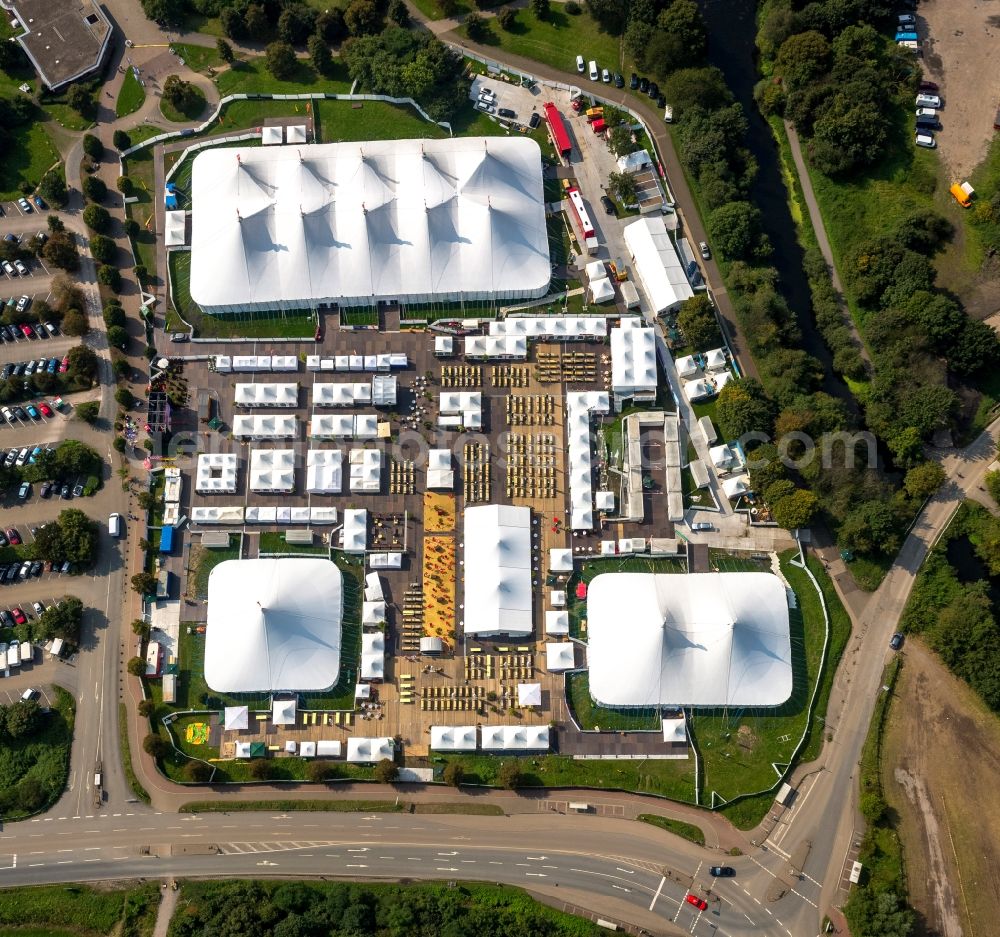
{"x":231,"y":849}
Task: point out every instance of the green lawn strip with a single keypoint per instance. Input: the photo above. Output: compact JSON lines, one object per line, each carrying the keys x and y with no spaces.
{"x":327,"y":806}
{"x":122,"y":908}
{"x":28,"y":154}
{"x":469,"y":808}
{"x":273,"y":541}
{"x":197,"y":58}
{"x":206,"y":560}
{"x":686,"y":831}
{"x":143,"y":132}
{"x":34,"y":769}
{"x":591,"y":716}
{"x":194,"y":110}
{"x":67,"y":117}
{"x":557,"y":41}
{"x":432,"y":10}
{"x":139,"y":168}
{"x":131,"y":95}
{"x":869,"y":571}
{"x":252,"y":77}
{"x":123,"y":742}
{"x":340,"y":121}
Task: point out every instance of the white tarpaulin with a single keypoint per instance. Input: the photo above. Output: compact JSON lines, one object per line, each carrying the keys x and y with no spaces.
{"x":373,"y":656}
{"x":497,"y":557}
{"x":453,"y":738}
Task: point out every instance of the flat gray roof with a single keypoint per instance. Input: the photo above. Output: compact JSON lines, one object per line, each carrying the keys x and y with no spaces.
{"x":65,"y":39}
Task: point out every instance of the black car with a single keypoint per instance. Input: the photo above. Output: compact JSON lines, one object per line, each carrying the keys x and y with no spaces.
{"x":619,"y":81}
{"x":609,"y":206}
{"x":653,"y":90}
{"x":644,"y":84}
{"x":45,"y":490}
{"x":19,"y":413}
{"x":633,"y":81}
{"x":40,"y":330}
{"x":661,"y":100}
{"x":11,"y":574}
{"x":36,"y":568}
{"x":534,"y":120}
{"x":722,"y":871}
{"x":896,"y":641}
{"x":65,"y":493}
{"x":506,"y":112}
{"x":6,"y":618}
{"x":3,"y":540}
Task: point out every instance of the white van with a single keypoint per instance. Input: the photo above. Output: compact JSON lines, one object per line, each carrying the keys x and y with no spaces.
{"x":594,"y":73}
{"x":579,"y":64}
{"x":115,"y":525}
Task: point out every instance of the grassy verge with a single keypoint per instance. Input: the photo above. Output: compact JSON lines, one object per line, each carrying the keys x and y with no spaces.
{"x":330,"y":806}
{"x":252,"y":77}
{"x":131,"y":95}
{"x":193,"y":109}
{"x":121,"y":908}
{"x":273,"y":541}
{"x":197,"y":58}
{"x":28,"y":153}
{"x":471,"y":809}
{"x":686,"y":831}
{"x":130,"y":775}
{"x":206,"y":560}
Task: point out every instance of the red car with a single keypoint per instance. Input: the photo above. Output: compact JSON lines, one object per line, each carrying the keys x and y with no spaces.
{"x":28,"y":331}
{"x":46,"y":409}
{"x":929,"y":86}
{"x":64,"y":365}
{"x":700,"y":903}
{"x":18,"y":616}
{"x":13,"y":536}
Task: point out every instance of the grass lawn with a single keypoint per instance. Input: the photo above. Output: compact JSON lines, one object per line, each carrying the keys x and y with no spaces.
{"x":133,"y":782}
{"x":206,"y":560}
{"x":325,"y":806}
{"x":131,"y":96}
{"x":251,"y":76}
{"x":197,"y":58}
{"x":139,"y":167}
{"x":557,"y":41}
{"x":591,"y":716}
{"x":66,"y":117}
{"x":687,"y":831}
{"x":33,"y":770}
{"x":192,"y":110}
{"x":374,"y":120}
{"x":124,"y":909}
{"x":432,"y":10}
{"x":29,"y":153}
{"x":143,"y":132}
{"x":273,"y":541}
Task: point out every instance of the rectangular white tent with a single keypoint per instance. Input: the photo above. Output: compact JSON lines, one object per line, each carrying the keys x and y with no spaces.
{"x":324,"y":471}
{"x":515,"y":738}
{"x":343,"y":426}
{"x":173,"y":485}
{"x":633,"y":362}
{"x":288,"y":227}
{"x":328,"y":748}
{"x":466,"y":404}
{"x":354,"y":537}
{"x":267,"y":395}
{"x":579,"y":405}
{"x":373,"y":612}
{"x":365,"y":470}
{"x":350,"y":394}
{"x":265,"y":426}
{"x":373,"y":656}
{"x":373,"y":588}
{"x":175,"y":229}
{"x":497,"y":557}
{"x":393,"y":560}
{"x":453,"y":738}
{"x":656,"y":263}
{"x":562,"y":328}
{"x":227,"y":515}
{"x":601,"y":291}
{"x":506,"y":347}
{"x":366,"y":751}
{"x":216,"y":473}
{"x":559,"y":656}
{"x":439,"y":471}
{"x":236,"y":718}
{"x":272,"y":470}
{"x":384,"y":390}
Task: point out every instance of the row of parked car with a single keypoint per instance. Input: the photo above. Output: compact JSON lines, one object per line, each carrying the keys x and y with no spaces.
{"x":29,"y":569}
{"x":53,"y":365}
{"x":29,"y":330}
{"x":928,"y":103}
{"x":636,"y":82}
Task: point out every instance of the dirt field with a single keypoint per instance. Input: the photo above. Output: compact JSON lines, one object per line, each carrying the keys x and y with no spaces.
{"x":962,"y":54}
{"x":941,"y":763}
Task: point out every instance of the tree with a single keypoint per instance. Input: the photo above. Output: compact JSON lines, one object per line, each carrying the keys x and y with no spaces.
{"x":145,"y":708}
{"x":140,"y":628}
{"x":255,"y":21}
{"x":398,"y":13}
{"x":125,"y":398}
{"x":152,"y":744}
{"x":330,"y":25}
{"x":849,"y":135}
{"x":320,"y":771}
{"x":279,"y":57}
{"x":680,"y":39}
{"x":620,"y":141}
{"x":992,"y":480}
{"x":795,"y":510}
{"x":144,"y":583}
{"x":198,"y":772}
{"x":94,"y":188}
{"x":82,"y":361}
{"x":386,"y":771}
{"x":183,"y":96}
{"x":225,"y":51}
{"x":110,"y":276}
{"x":75,"y":323}
{"x":52,"y":188}
{"x":873,"y":806}
{"x":803,"y":58}
{"x":113,"y":313}
{"x":476,"y":26}
{"x":506,"y":18}
{"x":121,"y":140}
{"x":97,"y":218}
{"x":362,"y":18}
{"x":93,"y":147}
{"x":136,"y":666}
{"x":319,"y":53}
{"x":147,"y":500}
{"x":541,"y":9}
{"x":261,"y":769}
{"x":295,"y":23}
{"x":60,"y":251}
{"x":697,"y":321}
{"x":509,"y":774}
{"x":453,"y":773}
{"x":744,"y":408}
{"x":82,"y":101}
{"x":878,"y":914}
{"x":141,"y":274}
{"x":61,"y":620}
{"x":611,"y":15}
{"x":165,"y":12}
{"x":871,"y":527}
{"x":102,"y":248}
{"x":88,"y":411}
{"x":735,"y":229}
{"x":923,"y":480}
{"x":621,"y":185}
{"x":118,"y":338}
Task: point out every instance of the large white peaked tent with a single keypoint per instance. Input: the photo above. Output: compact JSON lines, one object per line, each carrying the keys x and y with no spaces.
{"x":497,"y":570}
{"x":273,"y":625}
{"x":703,"y":639}
{"x":354,"y":223}
{"x":656,"y":263}
{"x":236,"y":718}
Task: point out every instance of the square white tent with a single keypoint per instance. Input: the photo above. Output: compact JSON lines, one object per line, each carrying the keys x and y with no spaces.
{"x":687,"y":367}
{"x":324,"y":471}
{"x":699,"y":390}
{"x":271,"y":136}
{"x":497,"y":563}
{"x":734,"y":487}
{"x":367,"y":751}
{"x":453,"y":738}
{"x":366,"y":470}
{"x":242,"y":750}
{"x":715,"y":360}
{"x":560,"y":560}
{"x":307,"y":749}
{"x":373,"y":613}
{"x":355,"y":532}
{"x":236,"y":718}
{"x":674,"y":729}
{"x":296,"y":133}
{"x":283,"y":712}
{"x":272,"y":470}
{"x":559,"y":656}
{"x":529,"y":694}
{"x":556,"y":622}
{"x":601,"y":291}
{"x":328,"y":748}
{"x":604,"y":501}
{"x":596,"y":270}
{"x":216,"y":473}
{"x":439,"y":471}
{"x":657,"y":266}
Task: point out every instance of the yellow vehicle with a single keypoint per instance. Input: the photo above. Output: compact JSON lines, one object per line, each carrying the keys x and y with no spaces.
{"x":618,"y":270}
{"x":594,"y":112}
{"x":962,"y":193}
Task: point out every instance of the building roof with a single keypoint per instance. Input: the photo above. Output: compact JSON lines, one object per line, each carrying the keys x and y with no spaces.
{"x":265,"y":425}
{"x":355,"y":532}
{"x":348,"y":394}
{"x":273,"y":625}
{"x":354,"y":223}
{"x":497,"y":558}
{"x":64,"y":40}
{"x":702,"y":639}
{"x":439,"y":471}
{"x":657,"y":265}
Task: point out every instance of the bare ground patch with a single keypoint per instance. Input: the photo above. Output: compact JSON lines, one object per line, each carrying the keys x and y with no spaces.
{"x":962,"y":54}
{"x":941,"y":760}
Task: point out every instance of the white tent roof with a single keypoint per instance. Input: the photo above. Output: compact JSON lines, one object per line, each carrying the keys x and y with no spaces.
{"x":365,"y":469}
{"x":496,"y":346}
{"x":216,"y":473}
{"x":560,"y":656}
{"x":221,"y":515}
{"x":373,"y":612}
{"x":372,"y":656}
{"x":353,"y":223}
{"x":267,"y":395}
{"x":687,"y":366}
{"x":439,"y":471}
{"x":368,"y":751}
{"x":721,"y":456}
{"x":324,"y":471}
{"x":265,"y":425}
{"x":236,"y":718}
{"x":307,"y":749}
{"x":701,"y":639}
{"x":272,"y":470}
{"x":631,"y":162}
{"x":656,"y":263}
{"x":579,"y":405}
{"x":346,"y":394}
{"x":560,"y":560}
{"x":373,"y":588}
{"x":296,"y":133}
{"x":734,"y":487}
{"x":273,"y":625}
{"x":270,"y":136}
{"x":556,"y":622}
{"x":596,"y":270}
{"x":283,"y":712}
{"x":497,"y":558}
{"x":362,"y":691}
{"x":175,"y":232}
{"x":604,"y":500}
{"x":715,"y":360}
{"x":515,"y":738}
{"x":453,"y":738}
{"x":673,"y":729}
{"x":633,"y":361}
{"x":561,"y":327}
{"x":601,"y":291}
{"x":529,"y":694}
{"x":355,"y":532}
{"x":698,"y":390}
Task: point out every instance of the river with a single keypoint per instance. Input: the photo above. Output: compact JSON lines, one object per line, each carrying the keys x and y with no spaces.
{"x":732,"y":28}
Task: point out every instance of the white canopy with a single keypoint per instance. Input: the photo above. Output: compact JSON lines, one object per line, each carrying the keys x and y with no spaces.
{"x":596,"y":270}
{"x":272,"y":470}
{"x":384,"y":390}
{"x":283,"y":712}
{"x":700,"y":639}
{"x":656,"y":263}
{"x":373,"y":588}
{"x":373,"y":613}
{"x":529,"y":694}
{"x":715,"y":360}
{"x":698,"y":390}
{"x":296,"y":133}
{"x":453,"y":738}
{"x":355,"y":223}
{"x":722,"y":456}
{"x":497,"y":570}
{"x":444,"y":345}
{"x":175,"y":232}
{"x":344,"y":425}
{"x":674,"y":729}
{"x":267,"y":395}
{"x":329,"y":748}
{"x":579,"y":405}
{"x":560,"y":656}
{"x":560,"y":327}
{"x":734,"y":487}
{"x":271,"y":136}
{"x":265,"y":425}
{"x":439,"y":471}
{"x":372,"y":656}
{"x":366,"y":469}
{"x":342,"y":395}
{"x":556,"y":622}
{"x":362,"y":690}
{"x":496,"y":346}
{"x":307,"y":749}
{"x":601,"y":291}
{"x":604,"y":500}
{"x":633,"y":361}
{"x":216,"y":473}
{"x":273,"y":625}
{"x":236,"y":718}
{"x":355,"y":532}
{"x":324,"y":471}
{"x":368,"y":751}
{"x":221,"y":515}
{"x":632,"y":162}
{"x":515,"y":738}
{"x":687,"y":366}
{"x":560,"y":560}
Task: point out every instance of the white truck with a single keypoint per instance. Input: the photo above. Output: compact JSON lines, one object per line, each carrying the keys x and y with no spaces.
{"x":27,"y":652}
{"x":13,"y":655}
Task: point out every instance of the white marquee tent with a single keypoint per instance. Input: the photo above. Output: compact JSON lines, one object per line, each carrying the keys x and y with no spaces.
{"x":453,"y":738}
{"x":559,"y":656}
{"x":715,"y":360}
{"x":560,"y":560}
{"x":354,"y":223}
{"x":236,"y":718}
{"x":373,"y":612}
{"x":702,"y":639}
{"x":264,"y":425}
{"x":367,"y":751}
{"x":659,"y":269}
{"x":273,"y":624}
{"x":579,"y":405}
{"x":633,"y":362}
{"x":324,"y":471}
{"x":497,"y":556}
{"x":515,"y":738}
{"x":439,"y":471}
{"x":365,"y":469}
{"x":283,"y":712}
{"x":373,"y":656}
{"x":267,"y":395}
{"x":175,"y":233}
{"x":216,"y":473}
{"x":350,"y":394}
{"x":355,"y":532}
{"x":601,"y":291}
{"x":529,"y":694}
{"x":556,"y":622}
{"x":272,"y":470}
{"x":734,"y":487}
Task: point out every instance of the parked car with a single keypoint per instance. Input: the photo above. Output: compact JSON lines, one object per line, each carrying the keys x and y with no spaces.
{"x":702,"y":525}
{"x":39,"y":203}
{"x":24,"y":491}
{"x":65,"y":493}
{"x":605,"y":76}
{"x":18,"y":615}
{"x":22,"y":303}
{"x":38,"y":607}
{"x":45,"y":490}
{"x":8,"y":268}
{"x":506,"y":112}
{"x":30,"y":694}
{"x":534,"y":120}
{"x":644,"y":84}
{"x":32,"y":412}
{"x":36,"y":568}
{"x":925,"y":140}
{"x":485,"y":107}
{"x":64,"y":365}
{"x":633,"y":81}
{"x":3,"y":539}
{"x":50,"y":328}
{"x":609,"y":206}
{"x":46,"y":409}
{"x":27,"y":331}
{"x":20,"y":268}
{"x":24,"y":206}
{"x":618,"y":80}
{"x":928,"y":100}
{"x":705,"y":252}
{"x":700,"y":903}
{"x":653,"y":90}
{"x":896,"y":641}
{"x":722,"y":871}
{"x":929,"y":87}
{"x":77,"y":490}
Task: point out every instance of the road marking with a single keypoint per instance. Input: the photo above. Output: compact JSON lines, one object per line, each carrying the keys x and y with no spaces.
{"x":387,"y":857}
{"x":750,"y":919}
{"x":658,"y":890}
{"x":804,"y":898}
{"x":447,"y":853}
{"x":543,"y":875}
{"x":468,"y":861}
{"x":523,"y":864}
{"x":35,"y":865}
{"x":620,"y":887}
{"x":446,"y":868}
{"x":356,"y":866}
{"x":626,"y":871}
{"x":536,"y":858}
{"x":494,"y":862}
